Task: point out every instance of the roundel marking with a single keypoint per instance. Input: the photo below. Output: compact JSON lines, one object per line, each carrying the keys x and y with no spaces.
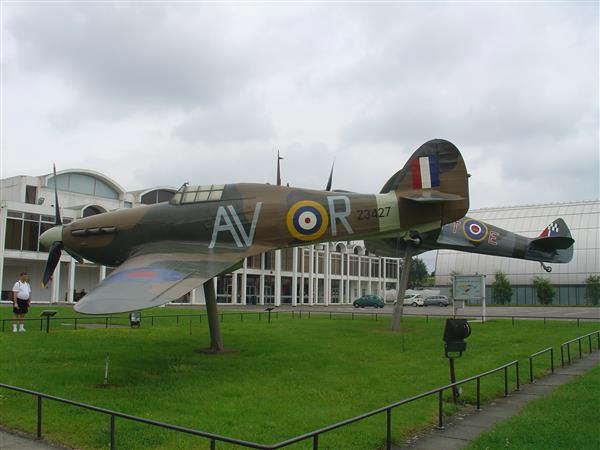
{"x":474,"y":230}
{"x":307,"y":220}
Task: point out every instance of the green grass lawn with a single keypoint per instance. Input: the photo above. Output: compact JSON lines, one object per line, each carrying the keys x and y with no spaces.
{"x":566,"y":419}
{"x":288,"y":377}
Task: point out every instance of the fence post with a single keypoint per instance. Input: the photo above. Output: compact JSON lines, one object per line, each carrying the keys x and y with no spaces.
{"x":562,"y":357}
{"x":315,"y":440}
{"x":579,"y":345}
{"x":569,"y":352}
{"x":213,"y":444}
{"x":518,"y":376}
{"x":478,"y":393}
{"x":241,"y":317}
{"x":309,"y":314}
{"x":222,"y":318}
{"x":551,"y":359}
{"x":41,"y":324}
{"x":440,"y":410}
{"x":107,"y":322}
{"x":388,"y":436}
{"x":113,"y":445}
{"x":530,"y":369}
{"x":590,"y":342}
{"x":39,"y":416}
{"x":578,"y":322}
{"x":506,"y":381}
{"x":75,"y":322}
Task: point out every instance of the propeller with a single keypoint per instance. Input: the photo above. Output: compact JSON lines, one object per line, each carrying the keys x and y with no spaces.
{"x":52,"y":239}
{"x":328,"y":188}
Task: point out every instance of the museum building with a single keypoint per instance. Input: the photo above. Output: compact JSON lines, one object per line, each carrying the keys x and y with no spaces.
{"x":336,"y":272}
{"x":583,"y":220}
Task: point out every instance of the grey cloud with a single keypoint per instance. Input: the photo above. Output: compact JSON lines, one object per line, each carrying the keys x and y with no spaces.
{"x":134,"y":56}
{"x":228,"y":123}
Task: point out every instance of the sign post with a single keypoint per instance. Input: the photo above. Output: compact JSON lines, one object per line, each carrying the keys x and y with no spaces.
{"x":470,"y":287}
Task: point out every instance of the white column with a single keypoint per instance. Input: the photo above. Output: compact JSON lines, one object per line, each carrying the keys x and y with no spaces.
{"x":384,"y":278}
{"x":214,"y":280}
{"x":234,"y":287}
{"x":295,"y":276}
{"x":302,"y":270}
{"x":244,"y":281}
{"x":342,"y":300}
{"x":311,"y":276}
{"x":101,"y":274}
{"x":348,"y":278}
{"x":370,"y":291}
{"x":277,"y":277}
{"x":397,"y":275}
{"x":359,"y":276}
{"x":261,"y":290}
{"x":380,"y":271}
{"x":3,"y":215}
{"x":193,"y":299}
{"x":56,"y":284}
{"x":327,"y":273}
{"x":71,"y":288}
{"x":316,"y":288}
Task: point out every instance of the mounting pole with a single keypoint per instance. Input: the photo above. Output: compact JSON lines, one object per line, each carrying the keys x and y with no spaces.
{"x":216,"y":343}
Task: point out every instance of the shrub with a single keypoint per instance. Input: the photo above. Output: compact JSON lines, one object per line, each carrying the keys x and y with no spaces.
{"x":544,"y":290}
{"x":501,"y":289}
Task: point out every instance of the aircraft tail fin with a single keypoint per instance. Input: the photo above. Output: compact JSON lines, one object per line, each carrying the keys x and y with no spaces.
{"x":556,"y":236}
{"x":434,"y":174}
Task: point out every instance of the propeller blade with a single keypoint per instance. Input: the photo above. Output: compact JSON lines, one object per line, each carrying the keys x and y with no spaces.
{"x":328,"y":188}
{"x":53,"y":258}
{"x":77,"y":257}
{"x":57,"y":219}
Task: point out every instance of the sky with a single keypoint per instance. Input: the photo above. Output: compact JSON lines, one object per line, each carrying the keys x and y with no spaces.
{"x":157,"y":94}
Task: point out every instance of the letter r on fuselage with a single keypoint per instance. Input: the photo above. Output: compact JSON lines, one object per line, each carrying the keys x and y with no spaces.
{"x":341,"y":213}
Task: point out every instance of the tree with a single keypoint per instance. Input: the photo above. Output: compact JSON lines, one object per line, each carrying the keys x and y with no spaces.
{"x":544,"y":290}
{"x":592,"y":289}
{"x":418,"y":272}
{"x":501,"y":289}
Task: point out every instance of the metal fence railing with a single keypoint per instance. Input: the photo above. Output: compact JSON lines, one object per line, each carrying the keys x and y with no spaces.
{"x":567,"y":345}
{"x":111,"y":320}
{"x":541,"y":352}
{"x":313,"y":435}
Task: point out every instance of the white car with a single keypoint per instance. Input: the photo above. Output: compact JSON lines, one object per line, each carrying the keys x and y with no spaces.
{"x":413,"y":300}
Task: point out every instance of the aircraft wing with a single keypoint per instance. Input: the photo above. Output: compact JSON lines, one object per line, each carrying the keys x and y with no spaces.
{"x":150,"y":280}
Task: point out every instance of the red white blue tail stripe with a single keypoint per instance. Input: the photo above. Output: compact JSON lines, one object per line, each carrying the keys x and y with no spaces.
{"x":550,"y":231}
{"x":425,"y":172}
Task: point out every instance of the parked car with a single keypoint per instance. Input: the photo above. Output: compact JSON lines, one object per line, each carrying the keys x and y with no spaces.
{"x":413,"y":300}
{"x":436,"y":300}
{"x":369,"y":300}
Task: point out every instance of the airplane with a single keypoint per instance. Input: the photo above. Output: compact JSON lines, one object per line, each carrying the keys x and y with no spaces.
{"x":553,"y":245}
{"x":163,"y":251}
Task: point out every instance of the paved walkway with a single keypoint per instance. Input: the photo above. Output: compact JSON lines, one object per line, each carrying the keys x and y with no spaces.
{"x":462,"y":428}
{"x":10,"y":441}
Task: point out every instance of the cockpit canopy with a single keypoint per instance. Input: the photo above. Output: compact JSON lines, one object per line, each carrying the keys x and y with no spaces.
{"x":195,"y":194}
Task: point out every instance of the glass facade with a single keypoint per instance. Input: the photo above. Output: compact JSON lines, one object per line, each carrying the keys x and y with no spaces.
{"x":80,"y":183}
{"x":583,"y":220}
{"x":23,"y":230}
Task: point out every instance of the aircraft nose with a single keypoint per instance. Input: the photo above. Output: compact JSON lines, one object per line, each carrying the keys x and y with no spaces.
{"x":50,"y":236}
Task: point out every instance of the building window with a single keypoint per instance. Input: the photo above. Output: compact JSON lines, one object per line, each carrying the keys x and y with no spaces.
{"x":157,"y":196}
{"x":30,"y":194}
{"x":23,"y":230}
{"x":80,"y":183}
{"x":92,"y":211}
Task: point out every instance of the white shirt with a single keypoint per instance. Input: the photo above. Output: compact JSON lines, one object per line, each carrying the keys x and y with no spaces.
{"x":23,"y":290}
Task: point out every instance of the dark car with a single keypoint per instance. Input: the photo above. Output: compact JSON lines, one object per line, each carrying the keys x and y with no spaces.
{"x":369,"y":300}
{"x":436,"y":300}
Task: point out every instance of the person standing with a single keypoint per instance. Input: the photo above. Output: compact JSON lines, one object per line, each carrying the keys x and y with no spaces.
{"x":21,"y":301}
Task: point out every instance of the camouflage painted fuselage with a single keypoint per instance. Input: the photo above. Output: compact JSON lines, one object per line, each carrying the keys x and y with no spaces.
{"x":249,"y":219}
